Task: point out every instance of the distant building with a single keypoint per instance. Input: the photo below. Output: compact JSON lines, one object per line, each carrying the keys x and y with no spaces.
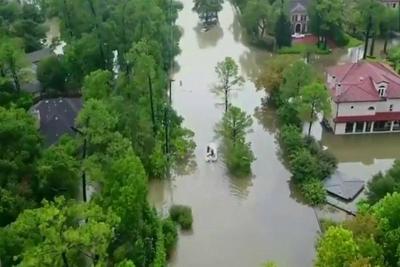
{"x":56,"y":117}
{"x":34,"y":86}
{"x":391,"y":3}
{"x":365,"y":98}
{"x":298,"y":10}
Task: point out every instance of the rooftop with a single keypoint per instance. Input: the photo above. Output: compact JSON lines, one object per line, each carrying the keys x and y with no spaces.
{"x":346,"y":188}
{"x":39,"y":55}
{"x":358,"y":81}
{"x":56,"y":117}
{"x":298,"y":6}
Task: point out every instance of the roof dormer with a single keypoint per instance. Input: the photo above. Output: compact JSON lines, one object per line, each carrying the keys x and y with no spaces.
{"x":382,"y":88}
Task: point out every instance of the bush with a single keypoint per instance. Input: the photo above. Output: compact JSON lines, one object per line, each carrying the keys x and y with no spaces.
{"x":182,"y":215}
{"x":288,"y":114}
{"x":313,"y":192}
{"x":52,"y":74}
{"x":170,"y":234}
{"x":304,"y":166}
{"x":238,"y":158}
{"x":291,"y":139}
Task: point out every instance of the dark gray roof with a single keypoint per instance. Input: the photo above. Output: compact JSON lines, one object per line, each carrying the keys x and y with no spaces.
{"x":39,"y":55}
{"x":56,"y":116}
{"x":342,"y":186}
{"x":32,"y":87}
{"x":298,"y":5}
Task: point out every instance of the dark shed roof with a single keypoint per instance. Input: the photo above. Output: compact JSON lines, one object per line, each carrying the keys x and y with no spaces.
{"x":56,"y":117}
{"x":39,"y":55}
{"x":342,"y":186}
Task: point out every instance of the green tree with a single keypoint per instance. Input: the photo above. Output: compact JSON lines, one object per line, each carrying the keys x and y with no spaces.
{"x":336,"y":248}
{"x":296,"y":76}
{"x":58,"y":171}
{"x":237,"y":153}
{"x":52,"y":74}
{"x":228,"y":77}
{"x":258,"y":18}
{"x":383,"y":184}
{"x":63,"y":233}
{"x":13,"y":63}
{"x":98,"y":85}
{"x":387,"y":212}
{"x":304,"y":166}
{"x":283,"y":30}
{"x":313,"y":99}
{"x":208,"y":9}
{"x":326,"y":20}
{"x":394,"y":58}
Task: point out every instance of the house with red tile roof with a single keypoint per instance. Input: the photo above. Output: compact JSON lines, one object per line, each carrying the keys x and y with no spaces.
{"x":365,"y":98}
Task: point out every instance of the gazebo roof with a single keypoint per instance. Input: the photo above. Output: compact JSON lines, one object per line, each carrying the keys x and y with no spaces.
{"x":342,"y":186}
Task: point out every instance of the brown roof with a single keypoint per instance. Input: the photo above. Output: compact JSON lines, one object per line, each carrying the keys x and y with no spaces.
{"x":358,"y":81}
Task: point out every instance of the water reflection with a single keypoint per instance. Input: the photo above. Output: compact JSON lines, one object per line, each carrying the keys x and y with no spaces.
{"x":208,"y":37}
{"x":362,"y":148}
{"x":267,"y":118}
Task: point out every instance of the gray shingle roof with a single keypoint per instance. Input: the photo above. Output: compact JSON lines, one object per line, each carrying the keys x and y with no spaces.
{"x":298,"y":5}
{"x":342,"y":186}
{"x":39,"y":55}
{"x":56,"y":116}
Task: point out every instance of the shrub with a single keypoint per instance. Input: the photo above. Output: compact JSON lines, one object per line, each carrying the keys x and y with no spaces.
{"x":303,"y":49}
{"x":291,"y":139}
{"x":238,"y":158}
{"x":182,"y":215}
{"x":52,"y":74}
{"x":314,"y":192}
{"x":170,"y":234}
{"x":288,"y":114}
{"x":304,"y":166}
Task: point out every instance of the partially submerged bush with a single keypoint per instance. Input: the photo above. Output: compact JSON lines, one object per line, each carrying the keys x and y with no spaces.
{"x":182,"y":215}
{"x":239,"y":158}
{"x":313,"y":192}
{"x":170,"y":234}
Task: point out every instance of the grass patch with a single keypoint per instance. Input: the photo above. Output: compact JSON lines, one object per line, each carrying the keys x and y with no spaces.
{"x":303,"y":49}
{"x":353,"y":42}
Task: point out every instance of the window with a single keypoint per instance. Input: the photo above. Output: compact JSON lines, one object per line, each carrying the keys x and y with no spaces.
{"x":381,"y":92}
{"x":349,"y":127}
{"x":359,"y":127}
{"x":368,"y":126}
{"x":371,"y":108}
{"x":391,"y":107}
{"x":352,"y":107}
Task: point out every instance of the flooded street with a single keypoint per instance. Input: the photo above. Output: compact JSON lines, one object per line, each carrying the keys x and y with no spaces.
{"x":237,"y":222}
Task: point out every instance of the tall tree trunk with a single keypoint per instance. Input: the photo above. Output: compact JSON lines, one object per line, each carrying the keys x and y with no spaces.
{"x":311,"y":118}
{"x":386,"y":42}
{"x":226,"y":99}
{"x":309,"y":128}
{"x":65,"y":260}
{"x":372,"y":48}
{"x":68,"y":19}
{"x":153,"y":118}
{"x":369,"y":25}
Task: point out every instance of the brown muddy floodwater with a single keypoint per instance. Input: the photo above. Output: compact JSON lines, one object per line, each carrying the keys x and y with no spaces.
{"x":237,"y":222}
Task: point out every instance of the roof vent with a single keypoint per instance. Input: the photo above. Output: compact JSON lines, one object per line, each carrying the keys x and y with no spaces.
{"x":361,"y":78}
{"x":56,"y":118}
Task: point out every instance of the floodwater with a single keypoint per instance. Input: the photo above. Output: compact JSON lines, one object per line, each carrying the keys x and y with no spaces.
{"x":237,"y":222}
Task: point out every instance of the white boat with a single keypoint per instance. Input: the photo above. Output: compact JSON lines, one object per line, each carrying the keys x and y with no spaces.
{"x":211,"y":153}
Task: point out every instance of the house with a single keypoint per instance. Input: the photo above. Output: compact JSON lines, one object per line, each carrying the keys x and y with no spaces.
{"x":391,"y":3}
{"x":298,"y":10}
{"x":34,"y":86}
{"x":365,"y":98}
{"x":56,"y":117}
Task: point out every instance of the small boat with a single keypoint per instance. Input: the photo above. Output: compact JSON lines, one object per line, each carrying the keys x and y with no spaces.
{"x":211,"y":153}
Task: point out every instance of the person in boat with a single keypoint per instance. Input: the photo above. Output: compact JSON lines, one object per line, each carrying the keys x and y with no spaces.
{"x":208,"y":150}
{"x":212,"y":153}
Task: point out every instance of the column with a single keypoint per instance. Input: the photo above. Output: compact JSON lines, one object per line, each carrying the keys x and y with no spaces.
{"x":354,"y":127}
{"x":391,"y":126}
{"x":364,"y":126}
{"x":372,"y":127}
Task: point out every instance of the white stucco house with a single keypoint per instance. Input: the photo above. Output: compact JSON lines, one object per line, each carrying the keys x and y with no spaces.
{"x":365,"y":98}
{"x":391,"y":3}
{"x":299,"y":16}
